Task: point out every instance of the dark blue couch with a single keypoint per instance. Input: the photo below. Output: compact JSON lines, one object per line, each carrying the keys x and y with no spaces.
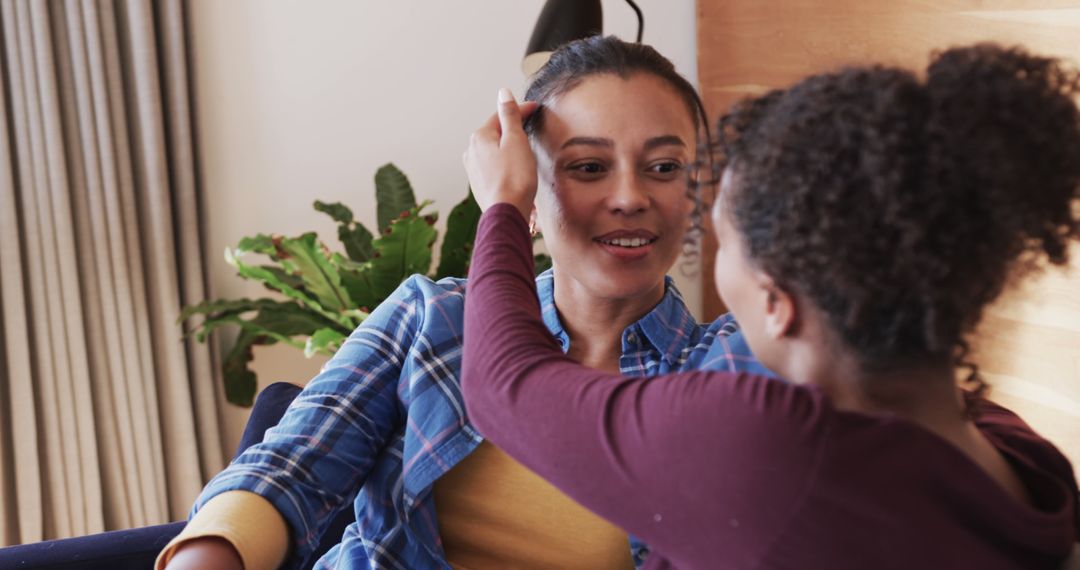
{"x":137,"y":548}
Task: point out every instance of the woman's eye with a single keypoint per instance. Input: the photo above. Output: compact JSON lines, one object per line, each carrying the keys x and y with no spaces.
{"x":668,"y":167}
{"x":588,"y":167}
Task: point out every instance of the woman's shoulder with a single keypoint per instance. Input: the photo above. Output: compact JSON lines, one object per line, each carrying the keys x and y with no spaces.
{"x":1013,"y":436}
{"x":723,"y":346}
{"x":417,"y":303}
{"x":422,"y":291}
{"x":424,"y":305}
{"x":426,"y":287}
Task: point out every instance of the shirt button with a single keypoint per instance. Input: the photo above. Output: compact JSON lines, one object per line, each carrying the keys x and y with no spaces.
{"x":631,"y":338}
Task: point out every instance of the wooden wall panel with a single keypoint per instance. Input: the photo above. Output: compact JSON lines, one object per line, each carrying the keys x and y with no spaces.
{"x":1028,"y":346}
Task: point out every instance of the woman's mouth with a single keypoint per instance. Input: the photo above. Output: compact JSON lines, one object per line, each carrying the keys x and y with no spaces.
{"x":627,"y":245}
{"x":627,"y":242}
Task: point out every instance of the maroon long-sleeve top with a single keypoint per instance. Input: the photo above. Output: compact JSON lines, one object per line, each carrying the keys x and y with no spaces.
{"x":721,"y":470}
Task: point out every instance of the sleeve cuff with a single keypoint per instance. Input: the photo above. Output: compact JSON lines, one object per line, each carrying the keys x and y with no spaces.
{"x":246,"y":520}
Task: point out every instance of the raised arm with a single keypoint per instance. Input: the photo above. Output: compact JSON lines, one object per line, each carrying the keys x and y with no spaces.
{"x":655,"y":456}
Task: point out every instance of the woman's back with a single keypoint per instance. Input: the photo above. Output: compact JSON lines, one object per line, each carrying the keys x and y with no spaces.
{"x":887,"y":493}
{"x":745,"y":471}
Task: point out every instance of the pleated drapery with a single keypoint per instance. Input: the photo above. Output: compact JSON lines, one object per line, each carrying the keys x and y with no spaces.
{"x":108,"y":416}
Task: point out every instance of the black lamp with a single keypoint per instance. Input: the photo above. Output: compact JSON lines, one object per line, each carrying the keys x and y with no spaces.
{"x":563,"y":21}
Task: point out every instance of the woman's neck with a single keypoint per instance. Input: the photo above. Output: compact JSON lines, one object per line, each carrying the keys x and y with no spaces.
{"x":595,"y":324}
{"x":925,"y":394}
{"x":923,"y":391}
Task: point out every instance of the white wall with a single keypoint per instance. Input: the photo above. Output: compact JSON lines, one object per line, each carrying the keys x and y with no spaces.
{"x":304,"y":100}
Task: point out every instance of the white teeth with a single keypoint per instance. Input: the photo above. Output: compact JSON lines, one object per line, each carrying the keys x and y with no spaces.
{"x":627,"y":242}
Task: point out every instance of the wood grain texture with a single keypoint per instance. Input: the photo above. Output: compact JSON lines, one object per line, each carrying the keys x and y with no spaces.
{"x":1028,"y":345}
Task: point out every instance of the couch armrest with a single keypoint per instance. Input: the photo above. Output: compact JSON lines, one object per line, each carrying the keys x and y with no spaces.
{"x":269,"y":406}
{"x":131,"y":549}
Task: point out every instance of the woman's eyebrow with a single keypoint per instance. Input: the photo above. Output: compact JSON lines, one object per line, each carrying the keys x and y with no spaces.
{"x":665,"y":140}
{"x":588,"y":141}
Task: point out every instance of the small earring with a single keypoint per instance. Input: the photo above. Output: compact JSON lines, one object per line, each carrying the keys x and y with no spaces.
{"x":532,"y":228}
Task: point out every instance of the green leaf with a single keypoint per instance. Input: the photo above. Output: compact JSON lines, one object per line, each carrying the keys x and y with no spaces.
{"x":343,"y":263}
{"x":329,"y":294}
{"x":542,"y":262}
{"x":305,"y":257}
{"x":274,"y":321}
{"x":271,"y":280}
{"x":458,"y":242}
{"x":394,"y":195}
{"x":405,"y":251}
{"x":219,"y":306}
{"x":357,"y":241}
{"x":290,"y":319}
{"x":219,"y":313}
{"x":260,"y":243}
{"x":324,"y":341}
{"x":271,"y":247}
{"x":285,"y":277}
{"x":213,"y":323}
{"x":336,"y":210}
{"x":278,"y":319}
{"x":356,"y":279}
{"x":240,"y":381}
{"x":358,"y":315}
{"x":353,"y":235}
{"x":265,"y":333}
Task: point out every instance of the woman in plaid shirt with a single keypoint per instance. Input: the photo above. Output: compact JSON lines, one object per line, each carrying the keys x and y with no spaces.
{"x":385,"y":416}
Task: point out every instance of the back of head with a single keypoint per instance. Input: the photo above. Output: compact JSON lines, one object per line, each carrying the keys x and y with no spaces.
{"x":901,"y":208}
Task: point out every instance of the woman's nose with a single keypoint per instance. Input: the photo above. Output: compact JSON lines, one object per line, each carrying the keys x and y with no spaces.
{"x":629,"y":196}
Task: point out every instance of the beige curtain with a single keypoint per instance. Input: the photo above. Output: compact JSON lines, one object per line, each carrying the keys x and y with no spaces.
{"x":108,"y":417}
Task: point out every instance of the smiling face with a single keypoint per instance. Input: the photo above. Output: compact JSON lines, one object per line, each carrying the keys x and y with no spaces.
{"x":612,"y":202}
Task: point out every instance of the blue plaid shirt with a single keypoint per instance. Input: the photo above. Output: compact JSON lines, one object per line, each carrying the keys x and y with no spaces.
{"x":385,"y":416}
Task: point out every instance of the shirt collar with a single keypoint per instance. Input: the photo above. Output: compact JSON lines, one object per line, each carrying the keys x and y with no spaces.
{"x":545,"y":290}
{"x":668,"y":327}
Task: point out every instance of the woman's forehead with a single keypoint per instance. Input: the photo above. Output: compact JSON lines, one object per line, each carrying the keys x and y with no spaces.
{"x":639,"y":106}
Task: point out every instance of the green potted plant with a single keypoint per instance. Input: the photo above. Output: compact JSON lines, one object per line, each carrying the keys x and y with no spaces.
{"x":325,"y":294}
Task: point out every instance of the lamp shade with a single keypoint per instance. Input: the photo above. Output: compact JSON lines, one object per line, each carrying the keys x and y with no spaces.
{"x":561,"y":21}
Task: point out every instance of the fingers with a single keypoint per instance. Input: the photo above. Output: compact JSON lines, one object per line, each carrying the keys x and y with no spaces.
{"x":490,"y":127}
{"x":527,"y":109}
{"x":499,"y":160}
{"x":509,"y":116}
{"x":508,"y":109}
{"x":509,"y":113}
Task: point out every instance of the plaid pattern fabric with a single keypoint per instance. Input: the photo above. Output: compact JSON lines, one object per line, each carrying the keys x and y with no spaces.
{"x":385,"y":415}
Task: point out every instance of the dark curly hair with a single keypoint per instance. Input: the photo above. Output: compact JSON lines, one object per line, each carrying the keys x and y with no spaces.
{"x":575,"y":61}
{"x":900,"y":207}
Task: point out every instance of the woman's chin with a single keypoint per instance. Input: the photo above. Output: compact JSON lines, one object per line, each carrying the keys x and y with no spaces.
{"x":627,"y":286}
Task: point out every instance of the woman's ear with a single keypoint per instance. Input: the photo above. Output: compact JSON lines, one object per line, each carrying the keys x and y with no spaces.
{"x":534,"y":225}
{"x":781,"y":311}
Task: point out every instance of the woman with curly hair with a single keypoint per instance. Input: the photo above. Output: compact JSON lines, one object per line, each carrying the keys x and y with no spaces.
{"x":865,"y":220}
